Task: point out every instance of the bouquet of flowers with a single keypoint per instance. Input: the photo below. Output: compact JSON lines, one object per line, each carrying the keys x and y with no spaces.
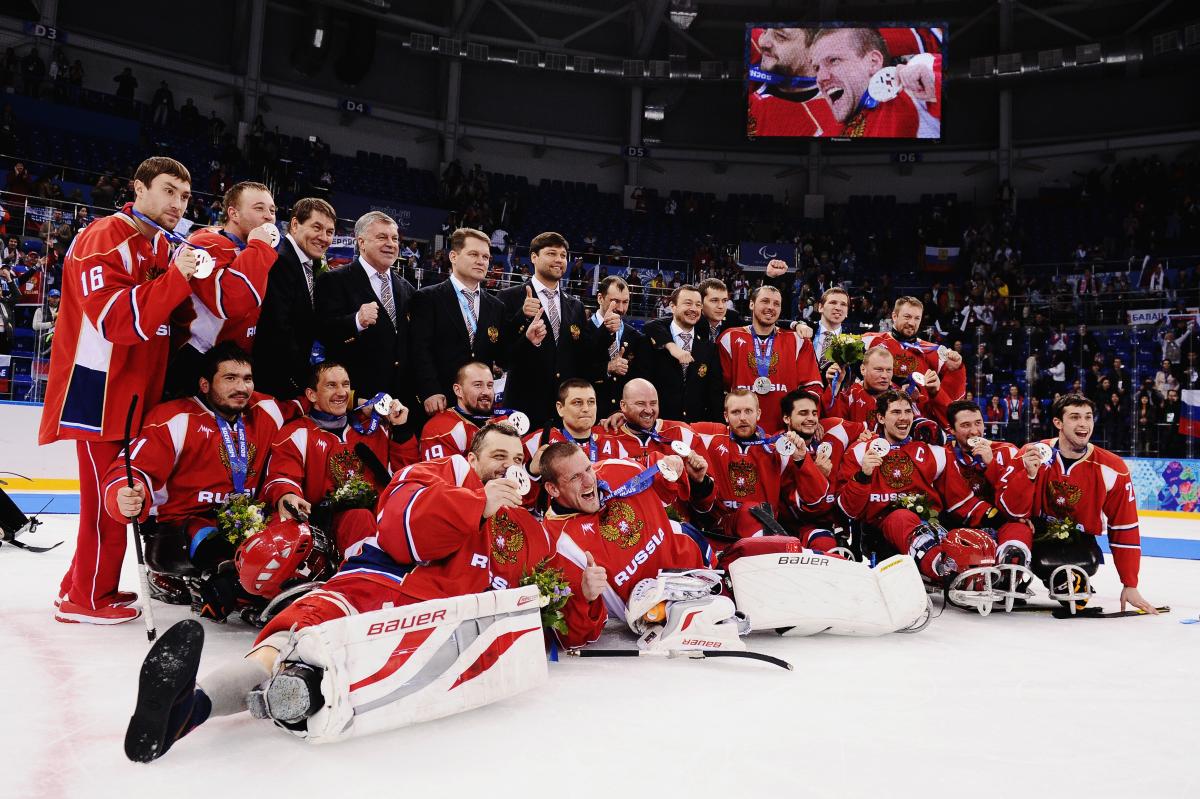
{"x":240,"y":517}
{"x":918,"y":504}
{"x":354,"y":492}
{"x":1057,"y":529}
{"x":846,"y":349}
{"x":555,"y":590}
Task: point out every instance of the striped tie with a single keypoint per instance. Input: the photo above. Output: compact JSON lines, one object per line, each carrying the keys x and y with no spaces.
{"x":552,"y":311}
{"x":686,"y":338}
{"x":385,"y":293}
{"x":473,"y":323}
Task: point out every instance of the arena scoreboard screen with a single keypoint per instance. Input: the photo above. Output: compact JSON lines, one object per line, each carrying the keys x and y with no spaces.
{"x":844,"y":81}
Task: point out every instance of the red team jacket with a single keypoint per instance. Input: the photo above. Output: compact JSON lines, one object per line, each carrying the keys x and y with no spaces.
{"x":450,"y":433}
{"x":225,"y":305}
{"x":624,"y":443}
{"x":434,"y":542}
{"x":312,"y":462}
{"x":748,"y":475}
{"x":910,"y":468}
{"x":921,"y":357}
{"x":631,"y":537}
{"x":857,"y":404}
{"x":181,"y":459}
{"x":1095,"y":491}
{"x":792,"y":364}
{"x":772,"y":114}
{"x":117,"y":296}
{"x":984,"y":480}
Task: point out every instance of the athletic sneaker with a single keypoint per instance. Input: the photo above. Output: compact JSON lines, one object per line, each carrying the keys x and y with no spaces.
{"x":121,"y":599}
{"x":71,"y":613}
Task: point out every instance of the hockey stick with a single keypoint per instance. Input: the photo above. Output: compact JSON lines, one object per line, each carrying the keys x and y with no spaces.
{"x":1098,"y":613}
{"x":690,"y":654}
{"x":135,"y":527}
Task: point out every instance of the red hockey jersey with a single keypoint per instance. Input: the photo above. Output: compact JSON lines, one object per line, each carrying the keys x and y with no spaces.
{"x":450,"y":433}
{"x":770,"y":114}
{"x":313,"y":462}
{"x":857,"y":404}
{"x":792,"y":364}
{"x":625,"y":443}
{"x":985,"y":479}
{"x":225,"y":305}
{"x":631,"y":537}
{"x":747,"y":475}
{"x":920,"y":356}
{"x":1095,"y":491}
{"x":910,"y":468}
{"x":181,"y":457}
{"x":434,"y":540}
{"x":118,"y":292}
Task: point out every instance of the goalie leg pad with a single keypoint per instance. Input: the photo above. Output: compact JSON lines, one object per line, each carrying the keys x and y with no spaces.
{"x":398,"y":666}
{"x":710,"y":622}
{"x":811,"y":594}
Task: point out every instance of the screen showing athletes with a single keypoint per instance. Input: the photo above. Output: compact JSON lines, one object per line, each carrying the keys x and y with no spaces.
{"x":834,"y":80}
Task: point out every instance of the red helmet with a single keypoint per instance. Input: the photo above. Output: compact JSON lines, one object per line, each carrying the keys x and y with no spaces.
{"x":967,"y":548}
{"x":282,"y":551}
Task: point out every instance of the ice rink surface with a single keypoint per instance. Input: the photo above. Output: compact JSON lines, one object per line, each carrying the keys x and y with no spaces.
{"x":1005,"y":706}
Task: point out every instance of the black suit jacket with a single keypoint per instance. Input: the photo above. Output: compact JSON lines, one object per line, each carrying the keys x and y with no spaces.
{"x":377,"y":358}
{"x":440,"y":342}
{"x":286,"y":328}
{"x":609,"y":386}
{"x":699,"y":398}
{"x":535,"y":372}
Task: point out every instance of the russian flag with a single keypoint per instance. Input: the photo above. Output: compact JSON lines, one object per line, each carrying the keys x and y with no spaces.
{"x":940,"y":259}
{"x":1189,"y":416}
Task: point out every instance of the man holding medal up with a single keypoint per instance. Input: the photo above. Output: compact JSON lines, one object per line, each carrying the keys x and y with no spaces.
{"x":120,"y":285}
{"x":914,"y":355}
{"x":768,"y":361}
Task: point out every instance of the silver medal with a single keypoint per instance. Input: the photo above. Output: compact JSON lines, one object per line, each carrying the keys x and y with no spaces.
{"x":762,"y":385}
{"x":944,"y":352}
{"x":518,"y":475}
{"x":785,"y":446}
{"x":975,"y":441}
{"x":204,"y":264}
{"x":519,"y":421}
{"x":384,"y":406}
{"x":681,"y":449}
{"x":667,"y":471}
{"x":879,"y":447}
{"x":1044,"y":451}
{"x":825,"y":450}
{"x":918,"y":378}
{"x":884,"y":85}
{"x":273,"y":232}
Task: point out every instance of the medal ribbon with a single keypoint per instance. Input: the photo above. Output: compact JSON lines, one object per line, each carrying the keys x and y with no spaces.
{"x":634,"y":485}
{"x":479,"y":420}
{"x":170,"y":235}
{"x":591,"y":442}
{"x":759,"y":75}
{"x":239,"y":461}
{"x":237,"y":242}
{"x":760,"y":437}
{"x":762,"y":352}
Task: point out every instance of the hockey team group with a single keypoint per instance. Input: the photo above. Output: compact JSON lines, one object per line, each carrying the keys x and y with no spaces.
{"x":405,"y":558}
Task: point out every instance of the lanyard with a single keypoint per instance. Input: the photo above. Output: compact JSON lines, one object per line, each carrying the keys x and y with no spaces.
{"x":760,"y":437}
{"x":479,"y":420}
{"x":237,"y":242}
{"x":634,"y":485}
{"x":759,"y":75}
{"x":591,"y":442}
{"x":762,"y":352}
{"x":170,"y":235}
{"x":652,"y":434}
{"x":963,"y":459}
{"x":239,"y":461}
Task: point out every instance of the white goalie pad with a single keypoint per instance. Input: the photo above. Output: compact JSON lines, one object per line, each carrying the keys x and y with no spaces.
{"x":680,"y":610}
{"x":399,"y":666}
{"x":813,"y":593}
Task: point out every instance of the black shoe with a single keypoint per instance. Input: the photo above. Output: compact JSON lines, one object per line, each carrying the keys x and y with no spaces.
{"x":168,"y":704}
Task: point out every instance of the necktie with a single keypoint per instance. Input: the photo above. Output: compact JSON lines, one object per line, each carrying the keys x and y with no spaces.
{"x":822,"y":344}
{"x":552,"y":311}
{"x":614,"y":348}
{"x":686,"y":338}
{"x":308,"y":278}
{"x":473,"y":321}
{"x":385,"y":293}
